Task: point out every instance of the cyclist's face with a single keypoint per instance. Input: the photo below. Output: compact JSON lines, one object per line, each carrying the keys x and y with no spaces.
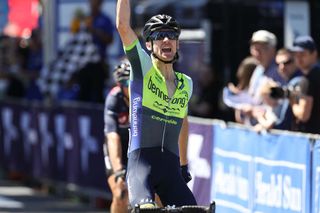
{"x":165,"y":44}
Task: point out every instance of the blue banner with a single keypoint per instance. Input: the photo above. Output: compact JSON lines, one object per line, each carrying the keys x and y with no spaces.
{"x":260,"y":172}
{"x":316,"y":177}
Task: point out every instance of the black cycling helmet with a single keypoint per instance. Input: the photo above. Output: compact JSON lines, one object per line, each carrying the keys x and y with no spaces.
{"x":121,"y":73}
{"x":160,"y":22}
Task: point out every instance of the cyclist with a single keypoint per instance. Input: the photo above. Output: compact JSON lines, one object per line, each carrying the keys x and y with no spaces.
{"x":116,"y":119}
{"x":159,"y":98}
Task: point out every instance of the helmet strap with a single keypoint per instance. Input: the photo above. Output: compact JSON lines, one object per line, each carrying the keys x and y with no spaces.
{"x":175,"y":58}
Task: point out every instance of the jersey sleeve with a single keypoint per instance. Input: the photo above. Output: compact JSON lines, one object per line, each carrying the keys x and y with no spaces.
{"x":190,"y":85}
{"x":140,"y":61}
{"x":110,"y":114}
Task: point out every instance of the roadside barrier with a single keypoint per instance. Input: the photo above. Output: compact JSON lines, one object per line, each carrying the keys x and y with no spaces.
{"x":241,"y":170}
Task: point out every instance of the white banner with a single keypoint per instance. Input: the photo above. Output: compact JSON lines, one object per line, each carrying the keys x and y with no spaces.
{"x":296,"y":20}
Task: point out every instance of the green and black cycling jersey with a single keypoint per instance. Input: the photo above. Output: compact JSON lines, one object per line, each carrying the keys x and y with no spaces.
{"x":155,"y":117}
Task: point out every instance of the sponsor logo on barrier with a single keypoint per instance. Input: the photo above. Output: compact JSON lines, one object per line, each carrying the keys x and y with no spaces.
{"x":10,"y":132}
{"x":230,"y":181}
{"x":232,"y":178}
{"x":199,"y":167}
{"x":64,"y":141}
{"x":283,"y":188}
{"x":45,"y":137}
{"x":277,"y":192}
{"x":89,"y":143}
{"x":30,"y":136}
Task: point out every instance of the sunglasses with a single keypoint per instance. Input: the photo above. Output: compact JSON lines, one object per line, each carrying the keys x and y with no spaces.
{"x":160,"y":35}
{"x":287,"y":62}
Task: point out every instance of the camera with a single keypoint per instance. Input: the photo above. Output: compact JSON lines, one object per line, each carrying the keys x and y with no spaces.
{"x":280,"y":92}
{"x":297,"y":87}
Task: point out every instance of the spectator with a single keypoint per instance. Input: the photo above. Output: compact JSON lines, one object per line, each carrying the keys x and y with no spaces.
{"x":33,"y":66}
{"x":93,"y":77}
{"x":78,"y":55}
{"x":290,"y":73}
{"x":286,"y":66}
{"x":263,"y":47}
{"x":307,"y":108}
{"x":101,"y":28}
{"x":78,"y":21}
{"x":205,"y":103}
{"x":272,"y":112}
{"x":276,"y":112}
{"x":12,"y":81}
{"x":244,"y":73}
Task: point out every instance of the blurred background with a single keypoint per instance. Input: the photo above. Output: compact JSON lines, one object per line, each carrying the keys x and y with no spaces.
{"x":55,"y":72}
{"x":215,"y":38}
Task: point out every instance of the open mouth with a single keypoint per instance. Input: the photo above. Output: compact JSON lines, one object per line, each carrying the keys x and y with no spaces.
{"x":166,"y":50}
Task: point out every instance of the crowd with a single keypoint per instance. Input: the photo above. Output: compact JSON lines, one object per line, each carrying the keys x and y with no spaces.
{"x":280,"y":87}
{"x":79,"y":72}
{"x":276,"y":89}
{"x":261,"y":76}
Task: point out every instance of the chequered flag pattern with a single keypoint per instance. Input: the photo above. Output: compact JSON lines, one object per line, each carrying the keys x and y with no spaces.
{"x":78,"y":51}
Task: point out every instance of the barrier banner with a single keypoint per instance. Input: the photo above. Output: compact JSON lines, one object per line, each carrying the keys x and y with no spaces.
{"x":241,"y":170}
{"x":260,"y":172}
{"x":316,"y":177}
{"x":199,"y":157}
{"x":58,"y":143}
{"x":12,"y":140}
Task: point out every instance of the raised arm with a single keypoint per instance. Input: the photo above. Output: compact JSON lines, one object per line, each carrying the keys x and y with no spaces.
{"x":123,"y":25}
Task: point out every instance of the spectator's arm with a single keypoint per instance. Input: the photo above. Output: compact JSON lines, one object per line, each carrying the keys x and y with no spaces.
{"x":302,"y":109}
{"x":266,"y":119}
{"x":127,"y":34}
{"x":183,"y":141}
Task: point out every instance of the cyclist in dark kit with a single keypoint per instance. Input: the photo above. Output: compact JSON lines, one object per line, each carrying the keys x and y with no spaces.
{"x":116,"y":119}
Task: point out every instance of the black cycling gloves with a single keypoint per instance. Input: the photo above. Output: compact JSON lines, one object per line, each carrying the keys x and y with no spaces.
{"x":185,"y":173}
